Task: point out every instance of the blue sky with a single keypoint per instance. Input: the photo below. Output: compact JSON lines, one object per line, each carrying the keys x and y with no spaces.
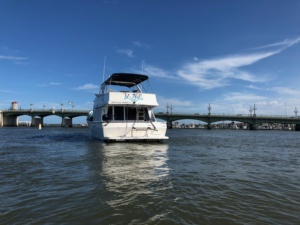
{"x":230,"y":54}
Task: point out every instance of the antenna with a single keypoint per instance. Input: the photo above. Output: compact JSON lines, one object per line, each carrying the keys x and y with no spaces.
{"x":296,"y":111}
{"x":104,"y":68}
{"x":254,"y":110}
{"x":142,"y":73}
{"x":286,"y":110}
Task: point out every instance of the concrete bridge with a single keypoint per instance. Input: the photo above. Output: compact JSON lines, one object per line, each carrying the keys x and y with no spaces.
{"x":209,"y":118}
{"x":9,"y":117}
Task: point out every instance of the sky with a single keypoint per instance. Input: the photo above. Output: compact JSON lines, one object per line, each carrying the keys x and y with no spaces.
{"x":231,"y":54}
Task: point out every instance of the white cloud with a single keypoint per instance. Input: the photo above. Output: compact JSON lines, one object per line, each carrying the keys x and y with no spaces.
{"x":155,"y":71}
{"x":252,"y":87}
{"x":218,"y":72}
{"x":12,"y":57}
{"x":237,"y":96}
{"x":7,"y":91}
{"x":88,"y":87}
{"x":215,"y":73}
{"x":162,"y":101}
{"x":285,"y":90}
{"x":139,"y":44}
{"x":52,"y":83}
{"x":273,"y":103}
{"x":6,"y":49}
{"x":286,"y":43}
{"x":262,"y":103}
{"x":16,"y":60}
{"x":126,"y":51}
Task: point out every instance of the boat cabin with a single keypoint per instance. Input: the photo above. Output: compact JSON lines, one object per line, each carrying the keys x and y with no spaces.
{"x":125,"y":97}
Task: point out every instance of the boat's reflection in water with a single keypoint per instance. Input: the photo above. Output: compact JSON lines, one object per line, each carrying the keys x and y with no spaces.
{"x":134,"y":170}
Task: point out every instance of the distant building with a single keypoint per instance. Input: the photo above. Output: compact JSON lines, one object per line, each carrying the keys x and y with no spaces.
{"x":176,"y":125}
{"x":24,"y":123}
{"x":191,"y":125}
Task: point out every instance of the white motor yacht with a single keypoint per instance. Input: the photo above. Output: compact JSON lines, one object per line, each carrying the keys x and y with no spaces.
{"x":125,"y":115}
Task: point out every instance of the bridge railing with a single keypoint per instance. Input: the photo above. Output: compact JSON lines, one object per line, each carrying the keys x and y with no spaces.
{"x":230,"y":115}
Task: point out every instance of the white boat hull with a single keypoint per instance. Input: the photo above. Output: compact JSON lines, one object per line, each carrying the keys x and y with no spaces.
{"x":128,"y":131}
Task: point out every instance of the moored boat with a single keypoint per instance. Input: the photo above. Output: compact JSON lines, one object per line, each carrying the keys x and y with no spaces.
{"x":120,"y":115}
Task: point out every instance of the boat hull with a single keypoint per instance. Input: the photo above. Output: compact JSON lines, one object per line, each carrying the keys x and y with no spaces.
{"x":128,"y":131}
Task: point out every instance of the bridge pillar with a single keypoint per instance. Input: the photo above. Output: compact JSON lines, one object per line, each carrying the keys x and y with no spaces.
{"x":252,"y":127}
{"x":10,"y":121}
{"x":209,"y":126}
{"x":169,"y":124}
{"x":1,"y":119}
{"x":297,"y":128}
{"x":36,"y":121}
{"x":66,"y":122}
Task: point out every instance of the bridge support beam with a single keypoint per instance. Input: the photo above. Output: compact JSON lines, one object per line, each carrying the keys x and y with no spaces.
{"x":297,"y":127}
{"x":169,"y":124}
{"x":1,"y":119}
{"x":253,"y":127}
{"x":66,"y":122}
{"x":10,"y":121}
{"x":36,"y":121}
{"x":209,"y":126}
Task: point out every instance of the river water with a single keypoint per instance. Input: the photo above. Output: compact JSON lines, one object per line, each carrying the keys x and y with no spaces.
{"x":62,"y":175}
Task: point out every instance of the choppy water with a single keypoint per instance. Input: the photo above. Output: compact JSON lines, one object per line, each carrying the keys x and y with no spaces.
{"x":62,"y":175}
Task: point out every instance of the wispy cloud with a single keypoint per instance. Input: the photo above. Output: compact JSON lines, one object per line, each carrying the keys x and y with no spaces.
{"x":238,"y":96}
{"x":253,"y":87}
{"x":7,"y":91}
{"x":285,"y":90}
{"x":139,"y":44}
{"x":41,"y":85}
{"x":16,"y":60}
{"x":88,"y":87}
{"x":163,"y":101}
{"x":218,"y":72}
{"x":286,"y":43}
{"x":52,"y":83}
{"x":128,"y":52}
{"x":21,"y":63}
{"x":12,"y":57}
{"x":8,"y":50}
{"x":214,"y":73}
{"x":155,"y":71}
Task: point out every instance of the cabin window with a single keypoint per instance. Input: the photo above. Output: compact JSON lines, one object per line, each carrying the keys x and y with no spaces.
{"x":130,"y":113}
{"x":109,"y":110}
{"x":152,"y":116}
{"x":119,"y":113}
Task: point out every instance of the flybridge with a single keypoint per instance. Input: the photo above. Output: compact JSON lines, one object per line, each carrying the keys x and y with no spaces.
{"x":125,"y":79}
{"x":128,"y":80}
{"x":137,"y":93}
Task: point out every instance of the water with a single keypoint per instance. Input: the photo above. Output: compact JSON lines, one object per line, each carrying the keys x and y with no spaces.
{"x":62,"y":175}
